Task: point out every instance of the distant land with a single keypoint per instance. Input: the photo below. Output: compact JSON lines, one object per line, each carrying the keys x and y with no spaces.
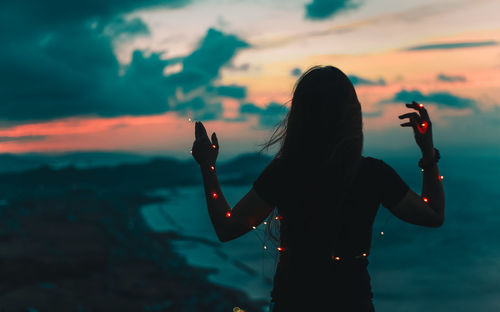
{"x":23,"y":162}
{"x":47,"y":175}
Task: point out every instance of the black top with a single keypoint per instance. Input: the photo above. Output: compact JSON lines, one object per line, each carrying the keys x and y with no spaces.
{"x":313,"y":233}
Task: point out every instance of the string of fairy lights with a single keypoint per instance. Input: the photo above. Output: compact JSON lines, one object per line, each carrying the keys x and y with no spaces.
{"x":422,"y":128}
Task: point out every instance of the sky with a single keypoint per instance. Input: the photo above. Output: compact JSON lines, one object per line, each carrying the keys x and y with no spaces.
{"x":129,"y":75}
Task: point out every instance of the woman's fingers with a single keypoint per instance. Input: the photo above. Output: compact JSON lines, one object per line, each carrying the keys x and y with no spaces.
{"x":407,"y":124}
{"x":411,"y":115}
{"x":419,"y":122}
{"x":423,"y":111}
{"x":214,"y":140}
{"x":412,"y":124}
{"x":201,"y":132}
{"x":414,"y":119}
{"x":204,"y":150}
{"x":414,"y":105}
{"x":420,"y":107}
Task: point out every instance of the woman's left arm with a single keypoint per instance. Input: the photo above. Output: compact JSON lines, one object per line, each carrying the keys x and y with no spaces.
{"x":228,"y":223}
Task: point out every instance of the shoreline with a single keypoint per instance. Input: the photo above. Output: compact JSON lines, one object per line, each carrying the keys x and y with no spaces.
{"x":240,"y":264}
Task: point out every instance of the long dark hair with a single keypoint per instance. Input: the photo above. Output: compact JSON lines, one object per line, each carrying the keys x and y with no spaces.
{"x":322,"y":129}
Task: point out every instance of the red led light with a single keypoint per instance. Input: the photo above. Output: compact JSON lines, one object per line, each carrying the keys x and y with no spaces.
{"x":213,"y":145}
{"x":422,"y":128}
{"x":425,"y":199}
{"x":441,"y":177}
{"x":212,"y":167}
{"x":364,"y":255}
{"x":278,"y":218}
{"x":280,"y":249}
{"x":214,"y":195}
{"x":228,"y":214}
{"x":336,"y":258}
{"x":420,"y":105}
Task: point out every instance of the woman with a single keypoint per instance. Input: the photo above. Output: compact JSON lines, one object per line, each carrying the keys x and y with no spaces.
{"x":326,"y":193}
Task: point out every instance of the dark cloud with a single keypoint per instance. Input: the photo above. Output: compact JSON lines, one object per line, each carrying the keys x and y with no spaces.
{"x":213,"y":52}
{"x":321,"y":9}
{"x":269,"y":116}
{"x":65,"y":66}
{"x":26,"y":138}
{"x":200,"y":69}
{"x":57,"y":58}
{"x":359,"y":81}
{"x":455,"y":45}
{"x":443,"y":77}
{"x":232,"y":91}
{"x":296,"y":72}
{"x":76,"y":73}
{"x":49,"y":15}
{"x":272,"y":115}
{"x":443,"y":99}
{"x":201,"y":108}
{"x":250,"y":108}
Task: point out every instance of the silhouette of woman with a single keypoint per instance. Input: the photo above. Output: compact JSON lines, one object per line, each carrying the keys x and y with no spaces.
{"x":326,"y":194}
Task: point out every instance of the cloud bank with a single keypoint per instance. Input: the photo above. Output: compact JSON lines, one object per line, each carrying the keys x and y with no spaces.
{"x":58,"y":61}
{"x":359,"y":81}
{"x":448,"y":78}
{"x":322,"y":9}
{"x":269,"y":116}
{"x":441,"y":99}
{"x":454,"y":45}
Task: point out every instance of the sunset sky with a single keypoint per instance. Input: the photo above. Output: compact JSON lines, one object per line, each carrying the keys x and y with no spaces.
{"x":127,"y":75}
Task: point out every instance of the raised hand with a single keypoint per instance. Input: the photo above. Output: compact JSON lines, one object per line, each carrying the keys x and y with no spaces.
{"x":422,"y":127}
{"x":204,"y":151}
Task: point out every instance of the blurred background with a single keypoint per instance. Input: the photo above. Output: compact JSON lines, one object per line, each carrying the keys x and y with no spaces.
{"x":102,"y":206}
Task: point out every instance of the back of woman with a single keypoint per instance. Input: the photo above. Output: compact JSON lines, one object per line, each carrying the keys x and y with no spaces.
{"x":325,"y":247}
{"x":326,"y":194}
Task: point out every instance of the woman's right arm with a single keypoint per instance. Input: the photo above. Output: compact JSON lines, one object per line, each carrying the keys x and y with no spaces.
{"x":426,"y":209}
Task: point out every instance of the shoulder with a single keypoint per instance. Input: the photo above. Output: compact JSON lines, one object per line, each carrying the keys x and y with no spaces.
{"x":368,"y":162}
{"x":376,"y":167}
{"x":373,"y":162}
